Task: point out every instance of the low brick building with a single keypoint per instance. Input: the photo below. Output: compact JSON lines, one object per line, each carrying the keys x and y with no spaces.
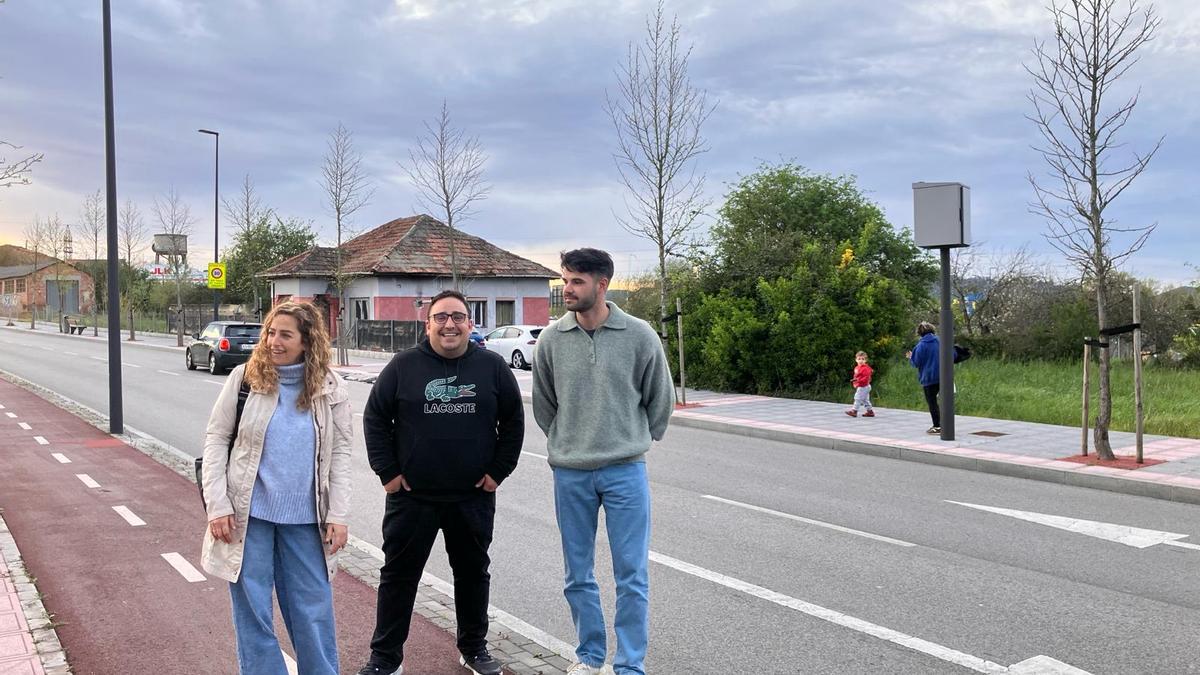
{"x":37,"y":280}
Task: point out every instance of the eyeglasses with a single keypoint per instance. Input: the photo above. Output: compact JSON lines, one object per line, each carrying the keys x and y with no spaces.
{"x":441,"y":317}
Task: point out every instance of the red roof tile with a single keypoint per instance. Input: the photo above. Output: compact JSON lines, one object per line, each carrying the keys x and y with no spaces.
{"x":417,"y":245}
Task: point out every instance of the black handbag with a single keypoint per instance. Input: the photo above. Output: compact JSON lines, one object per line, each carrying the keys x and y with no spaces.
{"x":243,"y":394}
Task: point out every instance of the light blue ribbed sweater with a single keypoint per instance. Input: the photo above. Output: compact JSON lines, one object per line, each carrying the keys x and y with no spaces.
{"x":284,"y":491}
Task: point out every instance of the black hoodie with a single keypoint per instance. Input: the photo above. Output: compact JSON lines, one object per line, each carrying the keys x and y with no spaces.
{"x":444,"y":423}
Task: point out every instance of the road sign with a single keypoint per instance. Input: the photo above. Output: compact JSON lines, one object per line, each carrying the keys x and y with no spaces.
{"x":216,"y":275}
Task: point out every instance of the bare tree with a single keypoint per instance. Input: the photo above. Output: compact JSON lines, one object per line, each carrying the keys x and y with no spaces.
{"x":57,"y":244}
{"x":1095,"y":45}
{"x":982,"y":281}
{"x":35,"y":242}
{"x":347,"y":189}
{"x":94,"y":223}
{"x":246,"y":210}
{"x":657,"y":114}
{"x":17,"y":172}
{"x":133,"y":241}
{"x":446,"y":168}
{"x":175,"y":218}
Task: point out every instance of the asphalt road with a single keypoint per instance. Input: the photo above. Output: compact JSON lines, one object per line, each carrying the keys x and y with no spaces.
{"x":911,"y":583}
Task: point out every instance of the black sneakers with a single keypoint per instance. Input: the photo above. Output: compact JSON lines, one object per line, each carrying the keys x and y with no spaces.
{"x":481,"y":663}
{"x":376,"y":669}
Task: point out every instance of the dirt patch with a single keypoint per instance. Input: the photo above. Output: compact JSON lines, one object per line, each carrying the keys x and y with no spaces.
{"x":1121,"y":462}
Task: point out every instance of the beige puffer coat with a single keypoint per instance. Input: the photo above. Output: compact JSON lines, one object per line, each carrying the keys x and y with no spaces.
{"x":229,"y":482}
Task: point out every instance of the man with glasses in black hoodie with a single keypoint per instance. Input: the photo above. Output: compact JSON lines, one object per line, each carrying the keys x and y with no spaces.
{"x":444,"y":426}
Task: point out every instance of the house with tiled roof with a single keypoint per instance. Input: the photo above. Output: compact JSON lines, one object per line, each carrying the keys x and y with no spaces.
{"x":395,"y":268}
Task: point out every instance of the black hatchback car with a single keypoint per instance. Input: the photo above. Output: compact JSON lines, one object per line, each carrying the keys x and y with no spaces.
{"x":222,"y":345}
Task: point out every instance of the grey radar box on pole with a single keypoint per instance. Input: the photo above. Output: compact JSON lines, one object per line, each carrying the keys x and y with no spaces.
{"x":942,"y":220}
{"x":941,"y":215}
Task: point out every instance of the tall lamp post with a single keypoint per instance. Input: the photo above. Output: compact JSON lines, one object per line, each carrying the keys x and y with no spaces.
{"x":216,"y":192}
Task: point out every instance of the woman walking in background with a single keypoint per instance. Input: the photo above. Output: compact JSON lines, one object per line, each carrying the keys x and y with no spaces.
{"x":277,"y":486}
{"x":925,"y":358}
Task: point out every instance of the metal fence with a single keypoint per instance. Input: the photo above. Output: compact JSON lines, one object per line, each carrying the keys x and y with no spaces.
{"x":386,"y":336}
{"x":196,"y":317}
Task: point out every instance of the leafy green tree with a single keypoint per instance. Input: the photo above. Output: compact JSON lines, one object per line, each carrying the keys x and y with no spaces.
{"x":261,"y":245}
{"x":803,"y":272}
{"x":772,"y":214}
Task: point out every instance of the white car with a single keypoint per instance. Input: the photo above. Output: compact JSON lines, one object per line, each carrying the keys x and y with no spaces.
{"x":514,"y":343}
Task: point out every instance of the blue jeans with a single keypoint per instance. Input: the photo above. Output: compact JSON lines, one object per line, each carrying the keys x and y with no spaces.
{"x":624,"y":492}
{"x":291,"y":560}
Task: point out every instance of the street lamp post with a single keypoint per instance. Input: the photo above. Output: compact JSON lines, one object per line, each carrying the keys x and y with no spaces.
{"x":216,"y":197}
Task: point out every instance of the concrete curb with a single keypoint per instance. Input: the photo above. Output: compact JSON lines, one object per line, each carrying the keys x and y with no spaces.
{"x":1131,"y":485}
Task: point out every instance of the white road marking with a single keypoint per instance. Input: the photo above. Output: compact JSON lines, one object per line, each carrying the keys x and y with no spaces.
{"x":87,"y":480}
{"x":533,"y":454}
{"x":71,"y":354}
{"x":832,"y":616}
{"x":131,"y":365}
{"x":500,"y":616}
{"x":62,"y":459}
{"x":1,"y":406}
{"x":184,"y":567}
{"x":48,"y":349}
{"x":129,"y":516}
{"x":810,"y":521}
{"x":98,"y":358}
{"x":167,"y":372}
{"x":216,"y":382}
{"x":1044,"y":665}
{"x":1121,"y":534}
{"x":41,"y":440}
{"x":1183,"y":544}
{"x":25,"y":426}
{"x":12,"y":415}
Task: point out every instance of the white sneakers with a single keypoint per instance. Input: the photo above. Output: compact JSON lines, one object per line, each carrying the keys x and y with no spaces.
{"x":584,"y":669}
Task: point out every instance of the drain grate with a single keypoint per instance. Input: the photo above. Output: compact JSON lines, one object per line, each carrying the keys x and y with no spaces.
{"x":989,"y":434}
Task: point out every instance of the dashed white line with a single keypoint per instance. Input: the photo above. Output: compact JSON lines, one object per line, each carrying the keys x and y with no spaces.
{"x":24,"y":426}
{"x":41,"y":440}
{"x":62,"y":459}
{"x":1183,"y":544}
{"x":131,"y":365}
{"x":832,"y":616}
{"x":87,"y":480}
{"x":219,"y":384}
{"x":71,"y":354}
{"x":129,"y":516}
{"x":1,"y":406}
{"x":167,"y":372}
{"x":13,"y":415}
{"x":810,"y":521}
{"x":184,"y":567}
{"x":47,"y":349}
{"x":98,"y":358}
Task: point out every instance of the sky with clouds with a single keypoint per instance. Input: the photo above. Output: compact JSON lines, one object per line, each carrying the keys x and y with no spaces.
{"x":891,"y":92}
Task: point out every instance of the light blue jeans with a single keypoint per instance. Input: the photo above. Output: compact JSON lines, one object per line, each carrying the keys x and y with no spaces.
{"x":290,"y":560}
{"x":624,"y":492}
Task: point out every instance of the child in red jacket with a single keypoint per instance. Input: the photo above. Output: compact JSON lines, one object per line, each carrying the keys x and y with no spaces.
{"x":862,"y":387}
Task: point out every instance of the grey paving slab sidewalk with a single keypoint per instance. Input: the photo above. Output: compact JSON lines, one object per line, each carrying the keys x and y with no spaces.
{"x":1022,"y":449}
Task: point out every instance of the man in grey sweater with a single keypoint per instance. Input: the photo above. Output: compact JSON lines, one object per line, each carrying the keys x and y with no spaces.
{"x":601,"y":392}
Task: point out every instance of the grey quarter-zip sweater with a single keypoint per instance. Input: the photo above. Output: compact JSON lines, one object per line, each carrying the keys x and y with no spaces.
{"x":601,"y":398}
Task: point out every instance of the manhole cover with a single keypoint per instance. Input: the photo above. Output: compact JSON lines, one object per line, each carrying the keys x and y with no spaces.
{"x":989,"y":434}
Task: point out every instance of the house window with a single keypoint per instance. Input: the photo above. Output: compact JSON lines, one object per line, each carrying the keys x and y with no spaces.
{"x":506,"y":312}
{"x":478,"y":311}
{"x":20,"y":285}
{"x":8,"y":286}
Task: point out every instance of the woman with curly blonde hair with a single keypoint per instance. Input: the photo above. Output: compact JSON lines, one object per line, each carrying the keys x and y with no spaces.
{"x":277,"y":485}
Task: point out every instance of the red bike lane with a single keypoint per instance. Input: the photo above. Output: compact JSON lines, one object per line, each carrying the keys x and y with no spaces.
{"x":112,"y":537}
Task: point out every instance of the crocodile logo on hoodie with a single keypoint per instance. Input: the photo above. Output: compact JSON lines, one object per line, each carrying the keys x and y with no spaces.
{"x":442,"y":390}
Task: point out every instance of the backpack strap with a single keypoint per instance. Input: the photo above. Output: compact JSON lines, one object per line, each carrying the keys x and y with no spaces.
{"x":243,"y":394}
